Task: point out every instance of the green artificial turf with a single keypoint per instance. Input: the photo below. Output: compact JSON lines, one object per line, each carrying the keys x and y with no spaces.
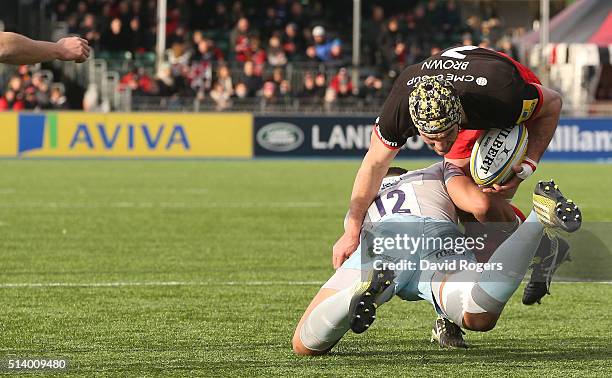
{"x":197,"y":268}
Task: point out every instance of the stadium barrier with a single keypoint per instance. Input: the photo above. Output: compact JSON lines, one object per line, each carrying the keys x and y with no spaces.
{"x":241,"y":135}
{"x":125,"y":135}
{"x":323,"y":136}
{"x":284,"y":136}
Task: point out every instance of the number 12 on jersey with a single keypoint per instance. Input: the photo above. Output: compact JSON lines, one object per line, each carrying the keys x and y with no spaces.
{"x":400,"y":200}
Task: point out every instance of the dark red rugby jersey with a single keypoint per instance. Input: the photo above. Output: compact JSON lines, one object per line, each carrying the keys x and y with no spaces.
{"x":493,"y":89}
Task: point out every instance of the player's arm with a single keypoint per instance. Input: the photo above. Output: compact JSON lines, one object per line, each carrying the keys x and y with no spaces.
{"x":486,"y":207}
{"x":541,"y":127}
{"x":18,"y":49}
{"x":366,"y":186}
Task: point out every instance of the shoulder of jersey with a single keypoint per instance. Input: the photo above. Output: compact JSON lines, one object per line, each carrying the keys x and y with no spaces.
{"x":464,"y":66}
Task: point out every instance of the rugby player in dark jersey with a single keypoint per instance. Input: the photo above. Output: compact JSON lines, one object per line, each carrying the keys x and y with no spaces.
{"x":448,"y":100}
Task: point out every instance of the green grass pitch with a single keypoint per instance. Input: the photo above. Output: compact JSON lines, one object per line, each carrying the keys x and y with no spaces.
{"x":193,"y":268}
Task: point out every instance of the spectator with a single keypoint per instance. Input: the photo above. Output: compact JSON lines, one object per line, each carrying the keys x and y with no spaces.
{"x":310,"y":90}
{"x":257,"y":54}
{"x":57,"y":100}
{"x":241,"y":91}
{"x":129,"y":80}
{"x":220,"y":96}
{"x":373,"y":88}
{"x":42,"y":89}
{"x":293,"y":44}
{"x":200,"y":77}
{"x":277,"y":76}
{"x":252,"y":81}
{"x":90,"y":99}
{"x":164,"y":81}
{"x":137,"y":35}
{"x":207,"y":52}
{"x":268,"y":94}
{"x":372,"y":29}
{"x":225,"y":79}
{"x":10,"y":101}
{"x":320,"y":84}
{"x":341,"y":84}
{"x":336,"y":57}
{"x":388,"y":42}
{"x":196,"y":38}
{"x":88,"y":30}
{"x":115,"y":38}
{"x":284,"y":92}
{"x":72,"y":24}
{"x":322,"y":48}
{"x":239,"y":40}
{"x":276,"y":54}
{"x":466,"y":39}
{"x":330,"y":99}
{"x":15,"y":84}
{"x":179,"y":57}
{"x":506,"y":47}
{"x":138,"y":81}
{"x":30,"y":102}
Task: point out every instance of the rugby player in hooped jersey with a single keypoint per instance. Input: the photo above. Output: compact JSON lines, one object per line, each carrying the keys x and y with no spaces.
{"x":448,"y":100}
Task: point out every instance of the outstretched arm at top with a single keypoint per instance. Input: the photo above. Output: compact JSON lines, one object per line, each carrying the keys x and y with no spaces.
{"x":18,"y":49}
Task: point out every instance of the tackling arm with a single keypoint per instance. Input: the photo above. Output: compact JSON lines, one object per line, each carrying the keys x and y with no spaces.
{"x":486,"y":207}
{"x":542,"y":127}
{"x":367,"y":182}
{"x":18,"y":49}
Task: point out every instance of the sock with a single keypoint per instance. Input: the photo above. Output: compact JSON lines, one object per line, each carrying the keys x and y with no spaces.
{"x":328,"y":322}
{"x":514,"y":255}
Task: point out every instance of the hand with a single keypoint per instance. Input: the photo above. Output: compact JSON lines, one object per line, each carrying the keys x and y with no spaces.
{"x":509,"y":186}
{"x":344,"y":248}
{"x":73,"y":48}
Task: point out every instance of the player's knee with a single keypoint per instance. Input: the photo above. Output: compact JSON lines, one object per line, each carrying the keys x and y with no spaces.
{"x":481,"y":322}
{"x":301,"y":350}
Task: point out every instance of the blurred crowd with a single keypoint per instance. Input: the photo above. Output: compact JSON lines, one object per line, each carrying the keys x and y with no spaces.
{"x":31,"y":89}
{"x":274,"y":51}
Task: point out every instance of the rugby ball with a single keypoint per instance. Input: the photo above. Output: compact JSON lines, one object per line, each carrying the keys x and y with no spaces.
{"x":495,"y":152}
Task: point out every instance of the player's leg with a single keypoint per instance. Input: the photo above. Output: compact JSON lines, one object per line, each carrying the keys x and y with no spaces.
{"x":547,"y":260}
{"x":325,"y":320}
{"x":313,"y":345}
{"x":477,"y":300}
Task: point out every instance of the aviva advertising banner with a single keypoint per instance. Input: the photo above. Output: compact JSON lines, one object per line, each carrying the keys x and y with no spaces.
{"x":77,"y":134}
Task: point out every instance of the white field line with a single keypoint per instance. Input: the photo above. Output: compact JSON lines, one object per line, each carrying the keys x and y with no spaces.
{"x":157,"y":283}
{"x":172,"y":205}
{"x":28,"y":285}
